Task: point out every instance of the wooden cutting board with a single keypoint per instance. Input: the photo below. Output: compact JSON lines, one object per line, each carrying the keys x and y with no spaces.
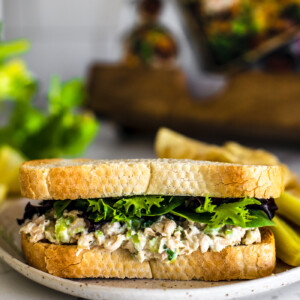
{"x":253,"y":105}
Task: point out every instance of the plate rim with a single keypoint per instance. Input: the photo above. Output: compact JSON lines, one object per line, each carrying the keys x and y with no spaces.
{"x":237,"y":289}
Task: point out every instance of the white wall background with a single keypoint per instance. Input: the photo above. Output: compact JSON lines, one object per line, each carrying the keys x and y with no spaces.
{"x":67,"y":35}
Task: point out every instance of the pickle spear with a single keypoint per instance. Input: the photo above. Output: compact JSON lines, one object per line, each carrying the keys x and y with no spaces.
{"x":3,"y":192}
{"x":289,"y":205}
{"x":287,"y":241}
{"x":10,"y":161}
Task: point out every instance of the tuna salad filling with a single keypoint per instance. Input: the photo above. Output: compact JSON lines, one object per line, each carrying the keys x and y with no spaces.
{"x":150,"y":227}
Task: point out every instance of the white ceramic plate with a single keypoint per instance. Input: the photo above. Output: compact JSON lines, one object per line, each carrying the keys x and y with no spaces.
{"x":10,"y":252}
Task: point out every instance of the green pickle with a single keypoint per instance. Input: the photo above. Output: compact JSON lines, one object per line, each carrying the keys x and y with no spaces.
{"x":289,"y":205}
{"x":287,"y":241}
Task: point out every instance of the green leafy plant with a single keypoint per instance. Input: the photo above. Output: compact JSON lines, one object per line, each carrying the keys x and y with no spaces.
{"x":16,"y":82}
{"x":58,"y":131}
{"x":62,"y":131}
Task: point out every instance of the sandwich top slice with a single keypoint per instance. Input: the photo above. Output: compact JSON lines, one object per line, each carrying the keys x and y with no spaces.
{"x":157,"y":218}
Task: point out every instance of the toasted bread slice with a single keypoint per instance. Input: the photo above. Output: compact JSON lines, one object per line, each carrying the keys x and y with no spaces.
{"x":239,"y":262}
{"x":60,"y":179}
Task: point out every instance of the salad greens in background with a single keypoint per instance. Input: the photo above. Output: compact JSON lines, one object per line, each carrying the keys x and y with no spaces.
{"x":31,"y":133}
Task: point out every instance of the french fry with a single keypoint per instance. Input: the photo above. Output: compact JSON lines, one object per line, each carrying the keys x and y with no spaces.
{"x":287,"y":241}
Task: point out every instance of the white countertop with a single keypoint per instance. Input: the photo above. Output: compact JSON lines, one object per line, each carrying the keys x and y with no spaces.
{"x":108,"y":145}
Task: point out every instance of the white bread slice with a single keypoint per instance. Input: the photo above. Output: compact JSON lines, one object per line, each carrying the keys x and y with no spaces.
{"x":82,"y":178}
{"x":239,"y":262}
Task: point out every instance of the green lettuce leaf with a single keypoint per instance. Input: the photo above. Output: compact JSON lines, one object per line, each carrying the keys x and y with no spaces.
{"x":135,"y":211}
{"x":131,"y":208}
{"x":192,"y":216}
{"x":167,"y":206}
{"x":260,"y":220}
{"x":207,"y":206}
{"x":101,"y":210}
{"x":138,"y":205}
{"x":60,"y":206}
{"x":236,"y":212}
{"x":257,"y":218}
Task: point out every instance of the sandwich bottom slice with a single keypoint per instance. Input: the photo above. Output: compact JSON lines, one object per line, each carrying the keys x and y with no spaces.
{"x":212,"y":227}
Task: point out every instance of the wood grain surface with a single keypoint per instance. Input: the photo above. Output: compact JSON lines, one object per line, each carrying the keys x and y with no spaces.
{"x":253,"y":105}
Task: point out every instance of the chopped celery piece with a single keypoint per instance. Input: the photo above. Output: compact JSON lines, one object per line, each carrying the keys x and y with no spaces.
{"x":135,"y":239}
{"x":154,"y":245}
{"x":287,"y":241}
{"x":61,"y":229}
{"x":99,"y":233}
{"x":289,"y":205}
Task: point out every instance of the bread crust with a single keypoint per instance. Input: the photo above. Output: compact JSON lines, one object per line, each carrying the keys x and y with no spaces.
{"x":60,"y":179}
{"x":240,"y":262}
